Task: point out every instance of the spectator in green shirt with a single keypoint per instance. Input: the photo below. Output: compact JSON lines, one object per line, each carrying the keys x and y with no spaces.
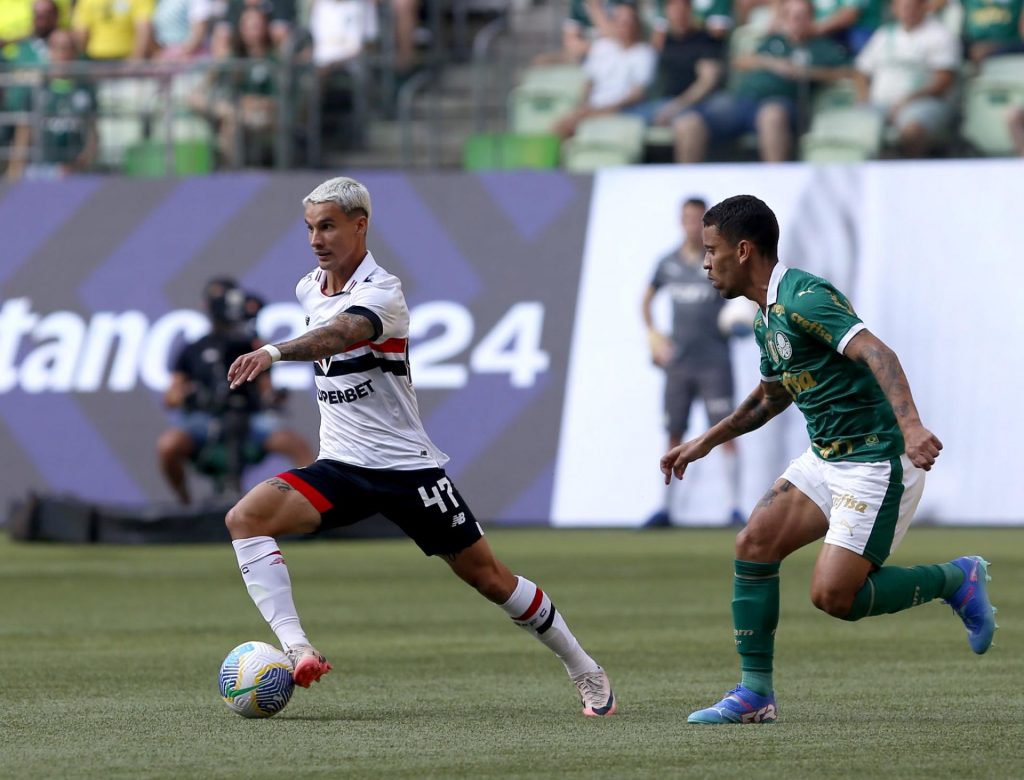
{"x":764,"y":96}
{"x":993,"y":27}
{"x":240,"y":97}
{"x":66,"y":140}
{"x":850,"y":22}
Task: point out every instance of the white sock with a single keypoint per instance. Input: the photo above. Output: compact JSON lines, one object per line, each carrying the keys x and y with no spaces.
{"x":530,"y":608}
{"x":266,"y":578}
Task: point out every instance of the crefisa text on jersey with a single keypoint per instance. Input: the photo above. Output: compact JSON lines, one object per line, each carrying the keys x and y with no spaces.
{"x":348,"y":395}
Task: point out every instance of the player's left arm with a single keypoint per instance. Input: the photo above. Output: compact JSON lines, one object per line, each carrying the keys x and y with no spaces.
{"x":922,"y":445}
{"x":341,"y":333}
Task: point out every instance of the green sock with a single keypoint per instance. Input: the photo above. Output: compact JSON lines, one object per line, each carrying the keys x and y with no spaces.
{"x":895,"y":588}
{"x":755,"y":616}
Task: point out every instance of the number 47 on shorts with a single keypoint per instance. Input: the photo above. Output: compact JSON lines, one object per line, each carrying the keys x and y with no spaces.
{"x":434,"y":498}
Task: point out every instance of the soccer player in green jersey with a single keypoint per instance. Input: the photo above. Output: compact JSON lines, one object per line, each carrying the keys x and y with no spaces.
{"x":857,"y":485}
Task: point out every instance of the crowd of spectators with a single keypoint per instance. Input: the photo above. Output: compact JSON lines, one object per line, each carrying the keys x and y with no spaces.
{"x":710,"y":71}
{"x":724,"y":70}
{"x":237,"y":43}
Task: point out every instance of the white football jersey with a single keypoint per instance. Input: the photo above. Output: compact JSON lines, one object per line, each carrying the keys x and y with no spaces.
{"x":368,"y":411}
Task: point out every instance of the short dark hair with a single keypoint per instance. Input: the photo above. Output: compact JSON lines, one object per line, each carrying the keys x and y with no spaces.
{"x":746,"y":218}
{"x":695,"y":201}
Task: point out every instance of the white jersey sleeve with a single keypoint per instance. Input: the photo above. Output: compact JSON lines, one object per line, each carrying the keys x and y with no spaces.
{"x":382,"y":302}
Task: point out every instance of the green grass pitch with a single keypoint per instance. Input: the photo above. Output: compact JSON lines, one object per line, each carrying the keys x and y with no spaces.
{"x":109,"y":655}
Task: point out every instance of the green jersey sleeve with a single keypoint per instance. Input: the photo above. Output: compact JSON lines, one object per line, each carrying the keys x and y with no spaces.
{"x":825,"y":314}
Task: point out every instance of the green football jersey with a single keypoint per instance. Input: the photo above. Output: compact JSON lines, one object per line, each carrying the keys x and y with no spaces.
{"x":809,"y":322}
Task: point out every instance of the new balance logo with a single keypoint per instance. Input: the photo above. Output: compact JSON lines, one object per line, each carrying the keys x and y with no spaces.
{"x":458,"y":519}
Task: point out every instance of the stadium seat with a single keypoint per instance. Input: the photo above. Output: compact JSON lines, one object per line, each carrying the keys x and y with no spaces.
{"x":511,"y":151}
{"x":587,"y":159}
{"x":659,"y":136}
{"x":616,"y":139}
{"x":149,"y":159}
{"x":545,"y":95}
{"x":1007,"y":67}
{"x":986,"y":106}
{"x":843,"y":135}
{"x":837,"y":94}
{"x":569,"y":77}
{"x":115,"y":135}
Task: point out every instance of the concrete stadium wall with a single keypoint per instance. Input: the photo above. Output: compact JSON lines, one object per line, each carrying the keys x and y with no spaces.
{"x":528,"y":351}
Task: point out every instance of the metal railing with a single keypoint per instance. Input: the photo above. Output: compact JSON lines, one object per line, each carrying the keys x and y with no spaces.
{"x":162,"y":105}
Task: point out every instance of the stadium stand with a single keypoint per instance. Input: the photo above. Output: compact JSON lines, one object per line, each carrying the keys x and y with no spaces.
{"x":474,"y":98}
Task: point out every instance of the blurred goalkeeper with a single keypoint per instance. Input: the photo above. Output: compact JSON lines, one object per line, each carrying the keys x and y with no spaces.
{"x":695,"y":356}
{"x":858,"y":484}
{"x":375,"y":457}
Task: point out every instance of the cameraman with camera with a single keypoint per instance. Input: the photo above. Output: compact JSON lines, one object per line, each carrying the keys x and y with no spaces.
{"x":220,"y":430}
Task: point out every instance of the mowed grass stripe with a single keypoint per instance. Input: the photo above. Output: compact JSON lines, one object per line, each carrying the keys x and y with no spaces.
{"x":108,"y":661}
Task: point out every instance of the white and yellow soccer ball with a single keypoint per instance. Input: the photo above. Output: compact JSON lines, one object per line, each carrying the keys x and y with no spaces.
{"x":255,"y":680}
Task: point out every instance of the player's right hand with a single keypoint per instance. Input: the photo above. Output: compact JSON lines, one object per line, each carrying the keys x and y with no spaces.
{"x":678,"y":458}
{"x":922,"y":447}
{"x":248,"y":367}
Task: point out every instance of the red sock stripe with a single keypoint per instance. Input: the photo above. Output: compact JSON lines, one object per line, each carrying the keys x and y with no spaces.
{"x":314,"y":496}
{"x":538,"y":597}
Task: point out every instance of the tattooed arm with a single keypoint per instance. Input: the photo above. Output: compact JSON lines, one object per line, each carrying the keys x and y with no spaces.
{"x":767,"y":400}
{"x":922,"y":445}
{"x":342,"y":332}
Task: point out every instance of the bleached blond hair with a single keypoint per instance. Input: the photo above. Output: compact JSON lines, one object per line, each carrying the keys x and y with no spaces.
{"x":347,"y":193}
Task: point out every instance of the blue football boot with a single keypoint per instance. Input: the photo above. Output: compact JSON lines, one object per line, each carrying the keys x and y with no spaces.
{"x":740,"y":705}
{"x":971,"y":604}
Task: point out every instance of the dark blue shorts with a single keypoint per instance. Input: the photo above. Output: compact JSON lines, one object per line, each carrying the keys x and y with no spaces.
{"x":729,"y":116}
{"x":198,"y":426}
{"x":423,"y":503}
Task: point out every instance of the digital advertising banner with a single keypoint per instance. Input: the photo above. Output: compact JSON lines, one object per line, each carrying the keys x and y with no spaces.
{"x":528,"y":350}
{"x":101,"y":283}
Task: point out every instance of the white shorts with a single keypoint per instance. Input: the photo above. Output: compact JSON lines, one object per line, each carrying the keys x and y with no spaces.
{"x":869,"y":506}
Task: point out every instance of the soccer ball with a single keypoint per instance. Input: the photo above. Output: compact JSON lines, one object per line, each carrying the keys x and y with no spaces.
{"x":255,"y":680}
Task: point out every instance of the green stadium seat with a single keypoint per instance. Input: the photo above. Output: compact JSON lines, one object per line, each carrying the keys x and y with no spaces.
{"x":1007,"y":67}
{"x":837,"y":94}
{"x":115,"y":134}
{"x":511,"y":151}
{"x":659,"y":136}
{"x":987,"y":101}
{"x":545,"y":95}
{"x":843,"y":135}
{"x":986,"y":107}
{"x":149,"y":159}
{"x":601,"y":141}
{"x":570,"y":78}
{"x":587,"y":159}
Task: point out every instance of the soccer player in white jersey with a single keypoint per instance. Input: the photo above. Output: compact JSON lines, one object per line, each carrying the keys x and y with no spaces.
{"x":374,"y":453}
